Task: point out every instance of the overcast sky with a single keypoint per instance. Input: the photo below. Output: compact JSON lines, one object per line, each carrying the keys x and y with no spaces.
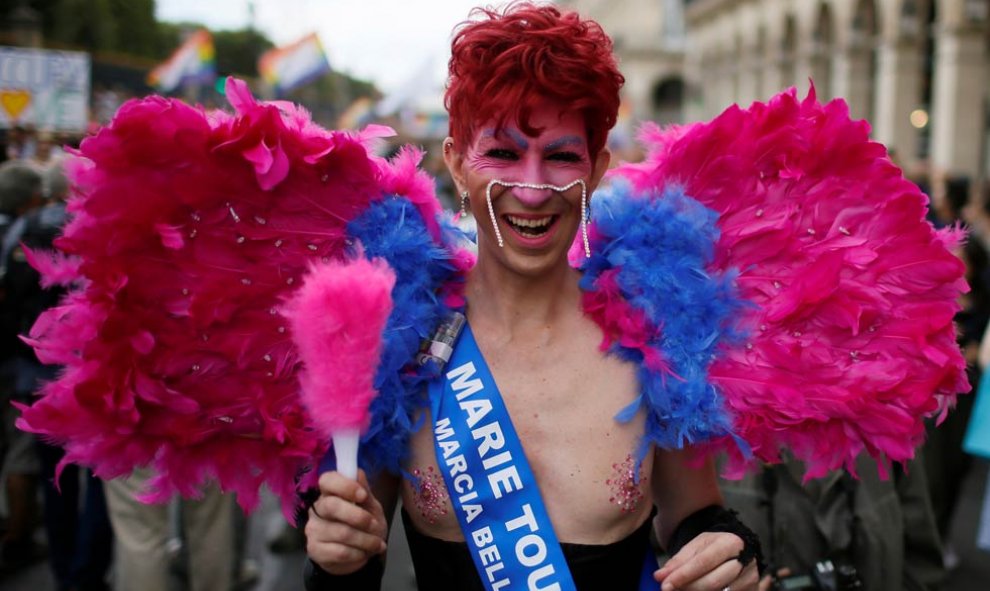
{"x":384,"y":41}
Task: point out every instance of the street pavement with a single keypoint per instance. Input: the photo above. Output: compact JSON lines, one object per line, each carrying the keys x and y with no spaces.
{"x":282,"y":572}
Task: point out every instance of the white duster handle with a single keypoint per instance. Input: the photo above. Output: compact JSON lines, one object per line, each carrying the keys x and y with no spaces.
{"x":345,"y":448}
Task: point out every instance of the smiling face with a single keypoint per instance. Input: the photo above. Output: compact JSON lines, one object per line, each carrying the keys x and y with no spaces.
{"x":524,"y":176}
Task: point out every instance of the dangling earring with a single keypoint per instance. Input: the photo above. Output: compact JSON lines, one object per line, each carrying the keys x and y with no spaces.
{"x":585,"y":218}
{"x":464,"y":203}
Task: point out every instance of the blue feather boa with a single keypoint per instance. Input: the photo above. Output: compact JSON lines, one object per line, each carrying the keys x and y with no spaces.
{"x":393,"y":229}
{"x":662,"y":247}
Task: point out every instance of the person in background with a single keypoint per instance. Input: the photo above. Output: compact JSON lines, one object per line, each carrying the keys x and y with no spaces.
{"x":949,"y":195}
{"x":20,"y":143}
{"x":75,"y":512}
{"x":877,"y":533}
{"x":46,"y":152}
{"x":20,"y":192}
{"x":143,"y":533}
{"x":945,"y":462}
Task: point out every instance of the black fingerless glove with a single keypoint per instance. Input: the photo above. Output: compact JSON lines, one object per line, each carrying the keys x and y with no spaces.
{"x":715,"y":518}
{"x":368,"y":577}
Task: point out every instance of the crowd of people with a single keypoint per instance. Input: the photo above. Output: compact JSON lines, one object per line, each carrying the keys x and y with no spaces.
{"x":88,"y":523}
{"x":33,"y":193}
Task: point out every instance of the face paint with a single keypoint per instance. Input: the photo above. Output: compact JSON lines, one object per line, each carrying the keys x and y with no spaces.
{"x":557,"y":156}
{"x":535,"y":186}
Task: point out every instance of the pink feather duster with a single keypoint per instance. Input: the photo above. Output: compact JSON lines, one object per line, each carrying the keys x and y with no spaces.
{"x":337,"y":318}
{"x":851,"y":344}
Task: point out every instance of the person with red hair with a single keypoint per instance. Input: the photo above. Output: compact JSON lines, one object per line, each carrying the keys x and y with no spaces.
{"x":532,"y":94}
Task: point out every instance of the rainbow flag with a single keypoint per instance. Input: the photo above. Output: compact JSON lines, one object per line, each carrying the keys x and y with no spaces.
{"x":193,"y":62}
{"x":285,"y":68}
{"x":358,"y":114}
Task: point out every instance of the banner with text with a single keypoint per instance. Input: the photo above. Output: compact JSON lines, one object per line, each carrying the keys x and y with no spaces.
{"x":45,"y":89}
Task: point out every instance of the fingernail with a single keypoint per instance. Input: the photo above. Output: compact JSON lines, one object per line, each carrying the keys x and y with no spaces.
{"x":382,"y":547}
{"x":361,"y":495}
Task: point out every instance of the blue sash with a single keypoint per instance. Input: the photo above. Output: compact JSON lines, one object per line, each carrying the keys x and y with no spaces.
{"x":492,"y":488}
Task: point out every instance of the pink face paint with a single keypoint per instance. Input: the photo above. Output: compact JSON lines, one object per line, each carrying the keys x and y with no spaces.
{"x":430,"y":498}
{"x":626,"y":490}
{"x":526,"y":176}
{"x":557,"y":155}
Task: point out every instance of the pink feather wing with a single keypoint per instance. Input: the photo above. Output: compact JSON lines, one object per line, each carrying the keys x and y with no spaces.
{"x":337,"y":318}
{"x":852,"y":344}
{"x":189,"y":229}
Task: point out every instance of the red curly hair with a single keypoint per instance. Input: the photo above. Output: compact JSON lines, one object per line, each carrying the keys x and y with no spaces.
{"x":503,"y":65}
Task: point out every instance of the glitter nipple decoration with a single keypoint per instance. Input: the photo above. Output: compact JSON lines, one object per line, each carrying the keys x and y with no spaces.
{"x":431,"y":494}
{"x":625,"y":486}
{"x":542,"y":187}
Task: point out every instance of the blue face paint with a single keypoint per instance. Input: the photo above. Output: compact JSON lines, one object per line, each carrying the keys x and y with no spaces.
{"x":511,"y":133}
{"x":517,"y":137}
{"x":568,"y":140}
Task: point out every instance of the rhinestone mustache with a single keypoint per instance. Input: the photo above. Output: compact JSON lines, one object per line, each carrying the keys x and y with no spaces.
{"x":541,"y":187}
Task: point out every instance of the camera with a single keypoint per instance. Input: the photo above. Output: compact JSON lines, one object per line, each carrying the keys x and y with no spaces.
{"x":827,"y":575}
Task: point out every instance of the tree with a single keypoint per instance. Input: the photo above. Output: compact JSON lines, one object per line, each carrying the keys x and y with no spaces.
{"x":168,"y":36}
{"x":129,"y":27}
{"x":45,"y":8}
{"x":88,"y":24}
{"x":136,"y":27}
{"x":118,"y":26}
{"x":327,"y":97}
{"x":238,"y":51}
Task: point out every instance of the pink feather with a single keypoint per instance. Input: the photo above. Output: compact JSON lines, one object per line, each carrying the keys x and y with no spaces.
{"x":188,"y":231}
{"x":851,"y":342}
{"x":337,"y":318}
{"x":54,"y":268}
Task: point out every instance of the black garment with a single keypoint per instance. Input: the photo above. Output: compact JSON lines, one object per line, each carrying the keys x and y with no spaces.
{"x":885,"y":526}
{"x":23,"y":297}
{"x":448,"y":566}
{"x":442,"y":565}
{"x":80,"y":540}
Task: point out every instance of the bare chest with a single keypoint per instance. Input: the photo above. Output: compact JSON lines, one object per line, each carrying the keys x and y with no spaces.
{"x":562,"y":401}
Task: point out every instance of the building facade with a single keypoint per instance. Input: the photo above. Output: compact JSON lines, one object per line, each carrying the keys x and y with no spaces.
{"x":649,"y":40}
{"x":917,"y":70}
